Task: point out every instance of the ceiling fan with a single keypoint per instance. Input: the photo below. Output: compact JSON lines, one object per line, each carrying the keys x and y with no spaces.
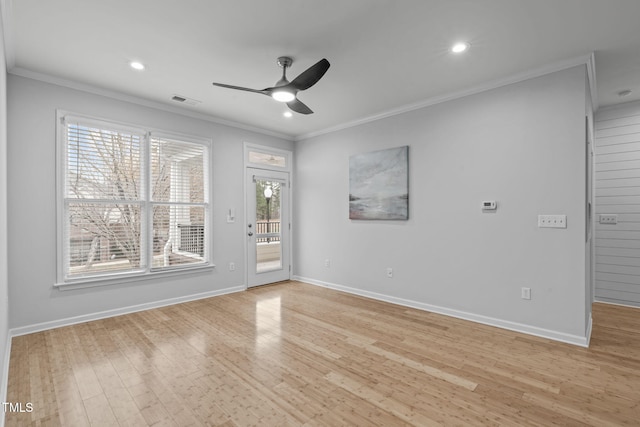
{"x":286,"y":91}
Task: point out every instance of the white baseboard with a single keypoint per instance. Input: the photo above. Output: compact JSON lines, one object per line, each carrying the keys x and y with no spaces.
{"x":24,"y":330}
{"x":589,"y":329}
{"x":582,"y":341}
{"x":629,"y":304}
{"x":5,"y":377}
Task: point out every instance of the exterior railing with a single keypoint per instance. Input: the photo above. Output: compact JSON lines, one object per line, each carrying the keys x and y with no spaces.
{"x":192,"y":238}
{"x":271,"y":227}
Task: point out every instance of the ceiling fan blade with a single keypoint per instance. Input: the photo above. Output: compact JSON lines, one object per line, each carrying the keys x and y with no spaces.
{"x":299,"y":107}
{"x":311,"y":76}
{"x":246,"y":89}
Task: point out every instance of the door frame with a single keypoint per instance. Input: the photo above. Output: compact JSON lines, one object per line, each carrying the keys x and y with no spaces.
{"x":287,"y":167}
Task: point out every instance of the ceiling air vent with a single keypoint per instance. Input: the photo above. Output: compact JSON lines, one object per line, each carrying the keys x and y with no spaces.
{"x":185,"y":100}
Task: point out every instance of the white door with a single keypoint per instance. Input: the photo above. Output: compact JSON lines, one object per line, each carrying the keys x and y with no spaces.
{"x":267,"y":226}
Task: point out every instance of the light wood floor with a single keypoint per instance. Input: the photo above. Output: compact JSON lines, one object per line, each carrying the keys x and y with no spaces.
{"x":293,"y":354}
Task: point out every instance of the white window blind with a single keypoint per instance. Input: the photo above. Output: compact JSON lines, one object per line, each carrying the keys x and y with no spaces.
{"x":179,"y":203}
{"x":132,"y":202}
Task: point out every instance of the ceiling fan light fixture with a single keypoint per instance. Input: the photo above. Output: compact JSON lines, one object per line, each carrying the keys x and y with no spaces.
{"x":136,"y":65}
{"x":460,"y":47}
{"x":283,"y":96}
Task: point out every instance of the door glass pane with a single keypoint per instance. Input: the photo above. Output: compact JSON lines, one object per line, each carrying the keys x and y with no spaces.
{"x":268,"y":248}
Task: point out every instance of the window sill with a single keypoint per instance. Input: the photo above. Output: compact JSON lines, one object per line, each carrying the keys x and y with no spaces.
{"x":91,"y":282}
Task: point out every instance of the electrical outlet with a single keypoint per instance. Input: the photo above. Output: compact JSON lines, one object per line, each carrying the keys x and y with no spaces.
{"x":389,"y":272}
{"x":525,"y":293}
{"x":608,"y":219}
{"x":552,"y":221}
{"x":232,"y":266}
{"x":327,"y":263}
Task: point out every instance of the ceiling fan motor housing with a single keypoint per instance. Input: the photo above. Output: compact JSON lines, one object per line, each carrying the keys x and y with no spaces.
{"x":285,"y":61}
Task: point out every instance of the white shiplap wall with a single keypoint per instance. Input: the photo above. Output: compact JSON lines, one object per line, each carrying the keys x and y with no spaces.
{"x":617,"y":191}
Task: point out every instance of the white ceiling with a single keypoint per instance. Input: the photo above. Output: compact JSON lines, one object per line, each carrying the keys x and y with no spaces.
{"x":385,"y":55}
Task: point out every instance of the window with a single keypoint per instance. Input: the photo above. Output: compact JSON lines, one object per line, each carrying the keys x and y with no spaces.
{"x":268,"y":159}
{"x":133,"y":202}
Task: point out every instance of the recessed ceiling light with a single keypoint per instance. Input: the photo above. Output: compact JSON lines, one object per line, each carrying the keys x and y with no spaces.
{"x":137,"y":65}
{"x":287,"y":114}
{"x":459,"y":47}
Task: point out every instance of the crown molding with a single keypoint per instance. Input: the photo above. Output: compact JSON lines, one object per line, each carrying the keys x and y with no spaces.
{"x":587,"y":60}
{"x":47,"y":78}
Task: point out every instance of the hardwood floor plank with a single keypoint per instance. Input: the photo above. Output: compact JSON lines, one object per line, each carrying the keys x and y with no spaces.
{"x":298,"y":355}
{"x":70,"y":408}
{"x":99,"y":411}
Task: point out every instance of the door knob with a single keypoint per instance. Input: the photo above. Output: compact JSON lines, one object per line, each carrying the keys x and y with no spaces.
{"x":250,"y":234}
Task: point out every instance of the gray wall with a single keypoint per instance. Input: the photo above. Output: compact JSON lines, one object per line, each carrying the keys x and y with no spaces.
{"x":4,"y":296}
{"x":522,"y":145}
{"x":32,"y":204}
{"x":618,"y":192}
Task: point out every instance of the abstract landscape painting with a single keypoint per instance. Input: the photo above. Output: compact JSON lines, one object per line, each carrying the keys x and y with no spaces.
{"x":379,"y":184}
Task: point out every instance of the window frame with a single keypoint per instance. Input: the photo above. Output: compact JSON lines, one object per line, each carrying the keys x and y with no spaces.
{"x":148,"y":271}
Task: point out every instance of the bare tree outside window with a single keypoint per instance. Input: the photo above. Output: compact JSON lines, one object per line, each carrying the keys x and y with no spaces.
{"x":104,"y":198}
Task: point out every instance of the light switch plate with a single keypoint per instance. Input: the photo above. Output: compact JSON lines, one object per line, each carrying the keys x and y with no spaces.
{"x":552,"y":221}
{"x":231,"y":216}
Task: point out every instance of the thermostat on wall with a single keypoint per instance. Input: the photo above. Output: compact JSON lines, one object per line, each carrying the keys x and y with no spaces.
{"x":489,"y":205}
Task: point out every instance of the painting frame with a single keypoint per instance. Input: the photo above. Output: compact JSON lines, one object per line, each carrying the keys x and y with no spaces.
{"x":379,"y":185}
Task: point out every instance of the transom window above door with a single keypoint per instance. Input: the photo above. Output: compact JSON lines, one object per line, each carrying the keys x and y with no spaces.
{"x":262,"y":157}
